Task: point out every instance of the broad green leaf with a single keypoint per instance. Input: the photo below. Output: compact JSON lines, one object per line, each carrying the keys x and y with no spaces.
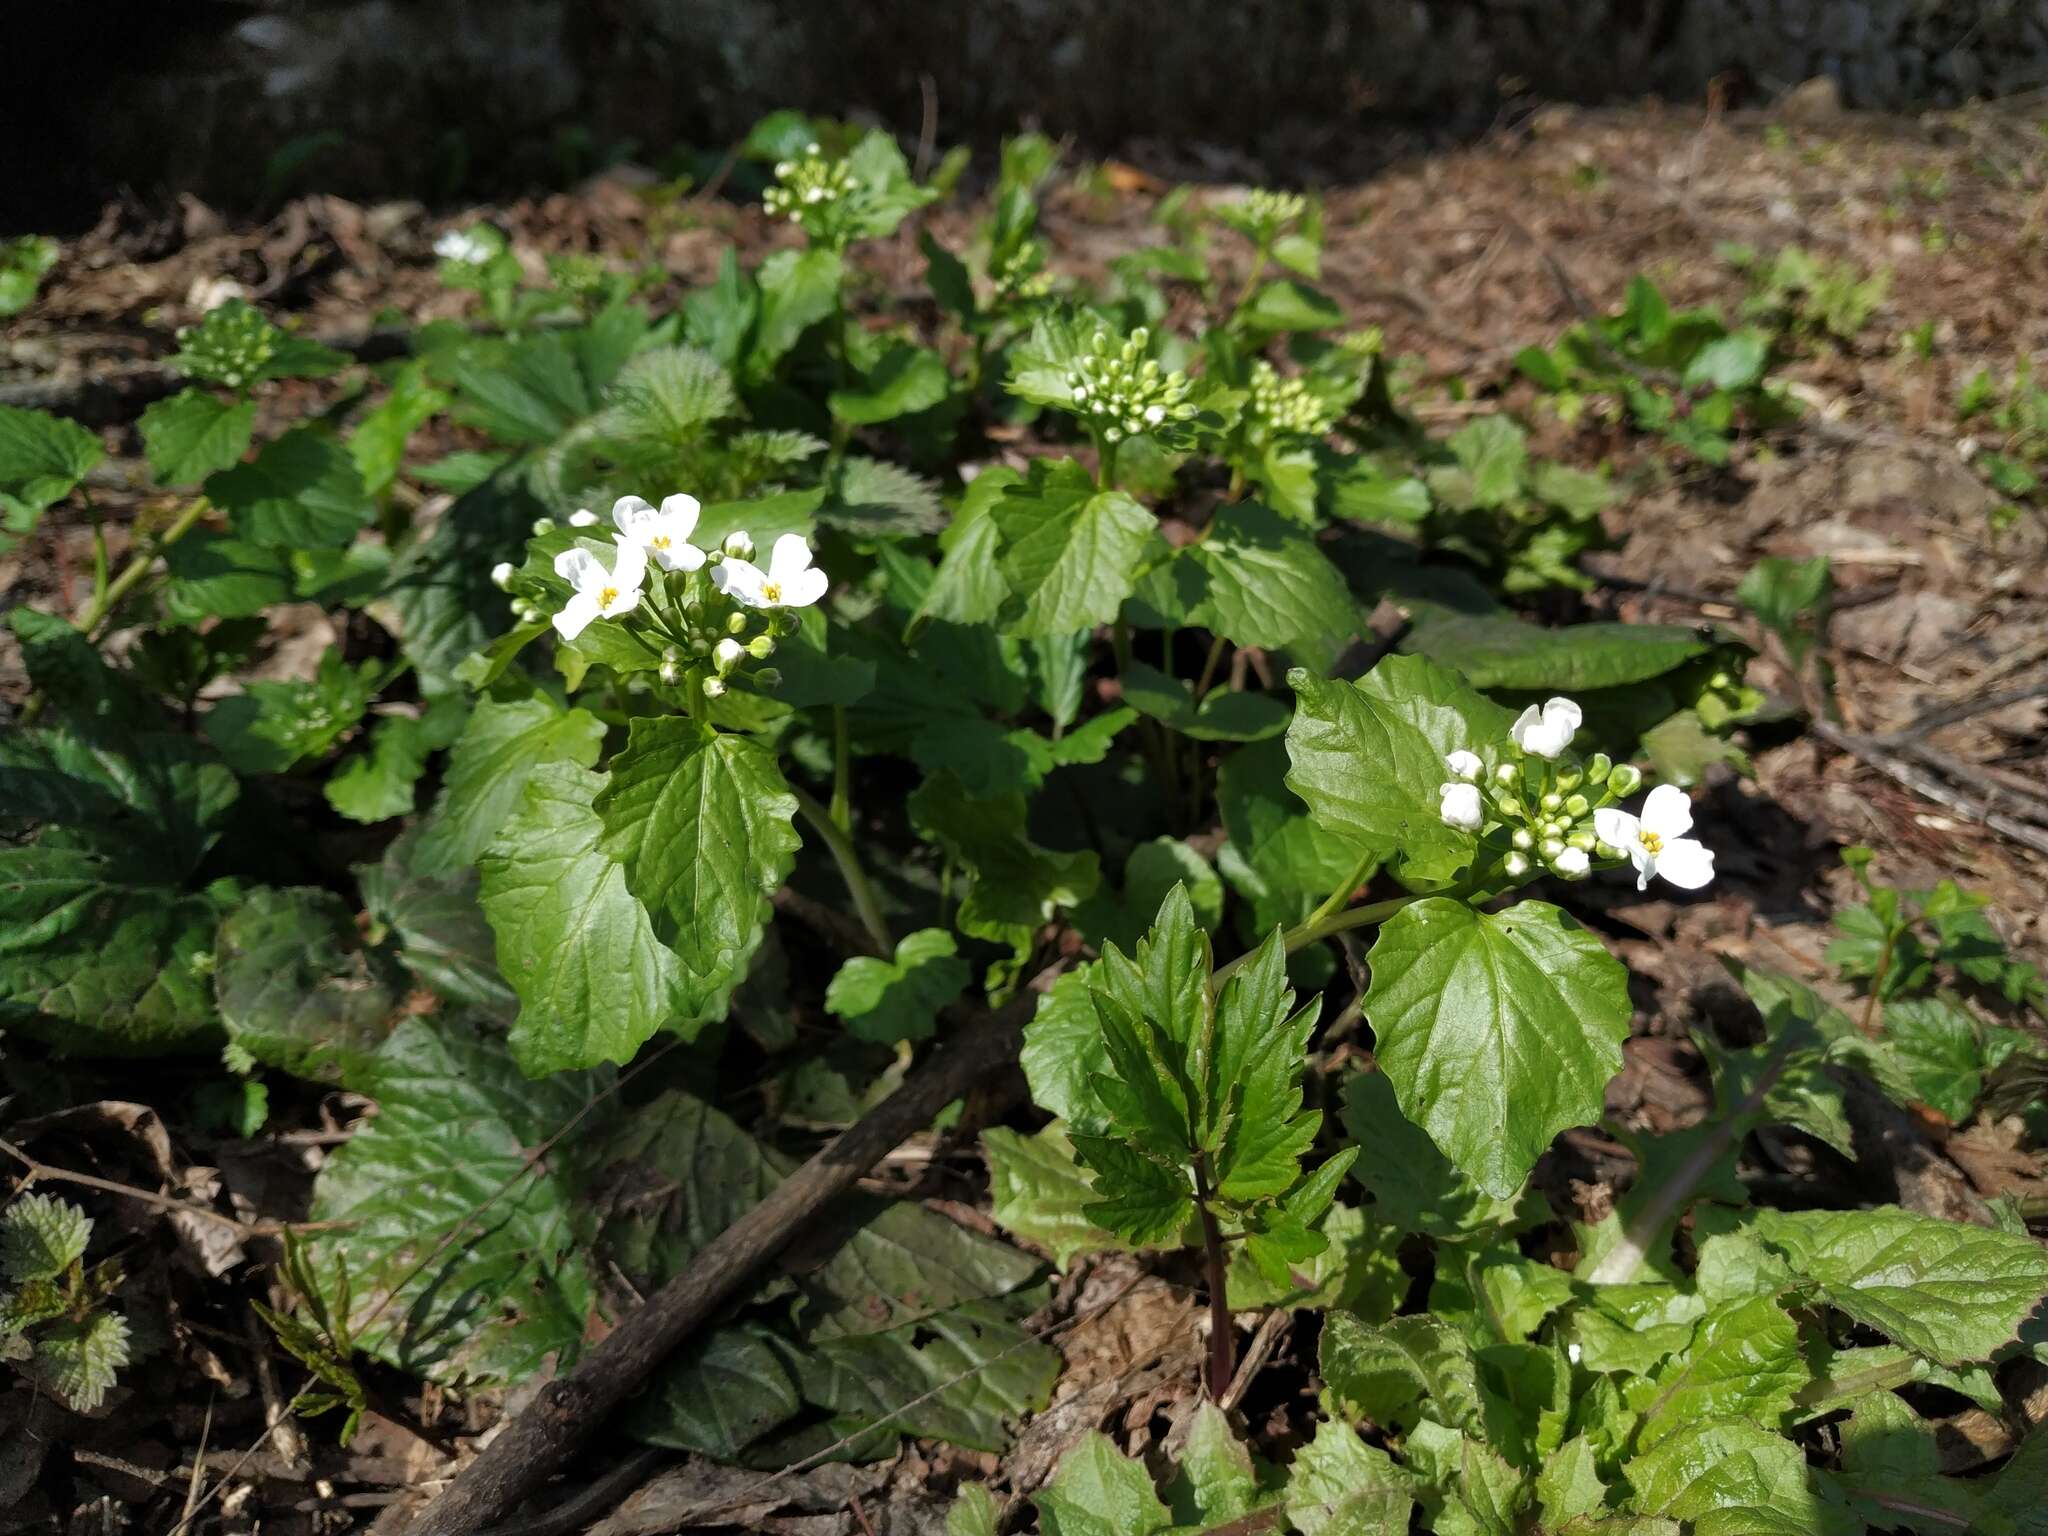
{"x":441,"y":593}
{"x":1016,"y":884}
{"x":798,"y":289}
{"x":379,"y":784}
{"x":593,"y":981}
{"x":975,"y":1511}
{"x":1949,"y":1292}
{"x":193,"y":433}
{"x":1891,"y":1472}
{"x":438,"y":923}
{"x":1368,"y":759}
{"x":1496,"y":1030}
{"x":1744,"y":1362}
{"x":273,"y":726}
{"x":1942,"y":1047}
{"x":41,"y":1237}
{"x":968,"y":587}
{"x":1381,"y":1372}
{"x":1063,"y":1049}
{"x":702,"y":824}
{"x":1569,"y":1486}
{"x":1264,"y":582}
{"x":1286,"y":862}
{"x":377,"y":446}
{"x":162,"y":793}
{"x":1515,"y":1294}
{"x":961,"y":1375}
{"x":97,"y":958}
{"x":1488,"y":1496}
{"x":1223,"y":714}
{"x":1098,"y":1491}
{"x":1038,"y":1191}
{"x":300,"y":491}
{"x":531,"y":391}
{"x":1139,"y":1198}
{"x":298,"y":992}
{"x":1340,"y":1486}
{"x":42,"y":457}
{"x":217,"y":577}
{"x":1151,"y":872}
{"x":717,"y":1395}
{"x":905,"y":380}
{"x":500,"y":747}
{"x":1287,"y":305}
{"x":459,"y":1241}
{"x":1413,"y":1185}
{"x":1216,"y":1480}
{"x":890,"y":1000}
{"x":1728,"y":1477}
{"x":1359,"y":1270}
{"x":1494,"y":454}
{"x":1500,"y":651}
{"x":81,"y":1358}
{"x":1070,"y":552}
{"x":874,"y":498}
{"x":1733,"y":362}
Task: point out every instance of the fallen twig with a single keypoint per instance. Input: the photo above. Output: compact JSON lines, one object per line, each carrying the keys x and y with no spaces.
{"x":1873,"y":754}
{"x":570,"y":1409}
{"x":45,"y":1173}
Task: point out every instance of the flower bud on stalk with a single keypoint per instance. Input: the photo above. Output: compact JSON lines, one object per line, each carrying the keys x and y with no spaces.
{"x":1624,"y":780}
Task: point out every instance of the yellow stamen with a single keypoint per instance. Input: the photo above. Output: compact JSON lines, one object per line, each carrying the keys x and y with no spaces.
{"x":770,"y":592}
{"x":1652,"y":843}
{"x":607,"y":597}
{"x":659,"y":541}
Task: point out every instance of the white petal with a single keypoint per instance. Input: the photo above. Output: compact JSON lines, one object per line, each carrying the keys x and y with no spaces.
{"x":630,"y":569}
{"x":583,"y":517}
{"x":1617,"y":829}
{"x":679,"y":557}
{"x":630,"y":512}
{"x":740,"y":580}
{"x":1572,"y":863}
{"x":1686,"y":863}
{"x":1645,"y":863}
{"x":789,"y":559}
{"x":680,"y":513}
{"x":1465,"y":765}
{"x":576,"y":566}
{"x":576,"y":615}
{"x":1461,"y":807}
{"x":1668,"y":812}
{"x":623,"y":604}
{"x":1562,"y":713}
{"x":804,"y":588}
{"x":1527,"y":720}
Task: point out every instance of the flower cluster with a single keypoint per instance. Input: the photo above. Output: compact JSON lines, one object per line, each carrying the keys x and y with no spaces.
{"x":1263,"y":214}
{"x":1288,"y":407}
{"x":702,"y":613}
{"x":808,"y":188}
{"x":1553,"y":808}
{"x":466,"y":246}
{"x":1022,"y":274}
{"x":1123,"y":393}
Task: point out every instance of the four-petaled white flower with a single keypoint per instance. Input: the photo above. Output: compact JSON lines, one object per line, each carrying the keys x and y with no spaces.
{"x":462,"y":245}
{"x":1465,"y":765}
{"x":1548,"y":731}
{"x":1462,"y":807}
{"x":664,"y":534}
{"x":1656,"y":841}
{"x":790,"y":581}
{"x":600,"y":593}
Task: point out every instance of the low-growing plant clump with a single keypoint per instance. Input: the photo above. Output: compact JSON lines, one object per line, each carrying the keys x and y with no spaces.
{"x":748,"y":693}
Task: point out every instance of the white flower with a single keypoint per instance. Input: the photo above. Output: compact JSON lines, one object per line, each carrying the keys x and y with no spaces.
{"x":1465,"y":765}
{"x":1572,"y":863}
{"x":664,"y":534}
{"x":600,"y":593}
{"x":1656,"y":842}
{"x":790,"y":581}
{"x":1462,"y":807}
{"x":1549,"y":731}
{"x":583,"y":517}
{"x":461,"y":245}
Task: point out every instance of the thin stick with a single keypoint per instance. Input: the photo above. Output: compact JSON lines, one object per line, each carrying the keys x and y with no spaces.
{"x":571,"y":1409}
{"x":1925,"y":784}
{"x":45,"y":1173}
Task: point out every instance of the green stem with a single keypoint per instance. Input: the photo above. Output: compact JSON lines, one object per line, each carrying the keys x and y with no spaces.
{"x":1209,"y":667}
{"x":138,"y":566}
{"x":1321,"y":925}
{"x":1251,"y":280}
{"x":1106,"y":477}
{"x":842,"y":796}
{"x":843,"y":854}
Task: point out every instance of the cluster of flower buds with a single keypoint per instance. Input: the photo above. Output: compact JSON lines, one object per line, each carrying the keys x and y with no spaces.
{"x":1022,"y":274}
{"x":1122,"y":392}
{"x":807,"y":188}
{"x":1288,"y":407}
{"x":1263,"y":214}
{"x":1560,"y":811}
{"x":702,"y":614}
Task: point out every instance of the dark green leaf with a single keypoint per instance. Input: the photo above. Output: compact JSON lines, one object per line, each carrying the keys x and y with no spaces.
{"x":193,"y":433}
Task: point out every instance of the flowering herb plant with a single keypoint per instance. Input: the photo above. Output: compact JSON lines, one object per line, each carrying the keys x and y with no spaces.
{"x":747,"y":688}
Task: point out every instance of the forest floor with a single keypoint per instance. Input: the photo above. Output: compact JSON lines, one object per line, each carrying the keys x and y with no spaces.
{"x":1462,"y":258}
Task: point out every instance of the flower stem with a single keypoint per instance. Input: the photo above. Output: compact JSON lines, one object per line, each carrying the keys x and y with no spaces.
{"x":842,"y":798}
{"x":1209,"y":668}
{"x":1323,"y":924}
{"x":1222,"y":1343}
{"x":841,"y":847}
{"x":105,"y":602}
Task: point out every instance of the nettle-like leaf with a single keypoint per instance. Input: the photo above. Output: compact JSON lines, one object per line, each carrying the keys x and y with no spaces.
{"x":1496,"y":1030}
{"x":1069,"y":551}
{"x":301,"y":491}
{"x":594,"y":982}
{"x":80,"y":1360}
{"x":41,"y":1237}
{"x":891,"y":1000}
{"x":1744,"y":1361}
{"x":702,"y":824}
{"x":296,"y":990}
{"x":1201,"y":1102}
{"x":193,"y":433}
{"x":1040,"y":1192}
{"x":499,"y":749}
{"x":1729,"y":1477}
{"x":1016,"y":885}
{"x":1368,"y":760}
{"x":273,"y":726}
{"x":1256,"y":578}
{"x":1340,"y":1486}
{"x":1414,"y":1186}
{"x":42,"y":460}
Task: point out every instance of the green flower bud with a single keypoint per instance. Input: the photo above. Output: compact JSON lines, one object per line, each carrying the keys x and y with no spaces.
{"x":736,"y":625}
{"x":543,"y":525}
{"x":737,"y":545}
{"x":1507,"y":773}
{"x":1508,"y":805}
{"x":1550,"y":848}
{"x":1625,"y":779}
{"x":1515,"y":865}
{"x":761,"y":647}
{"x":714,"y":688}
{"x":1583,"y":840}
{"x":1569,"y":780}
{"x":1522,"y":839}
{"x":1551,"y":800}
{"x":1597,"y":768}
{"x":1576,"y":806}
{"x":768,"y":679}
